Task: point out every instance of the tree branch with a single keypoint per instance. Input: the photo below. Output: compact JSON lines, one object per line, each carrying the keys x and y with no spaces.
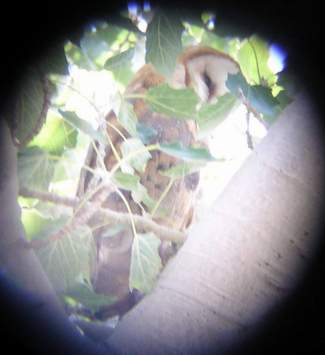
{"x":162,"y":232}
{"x":49,"y":197}
{"x":251,"y":109}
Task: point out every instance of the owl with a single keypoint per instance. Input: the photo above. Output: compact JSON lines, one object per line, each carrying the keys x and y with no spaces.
{"x":205,"y":70}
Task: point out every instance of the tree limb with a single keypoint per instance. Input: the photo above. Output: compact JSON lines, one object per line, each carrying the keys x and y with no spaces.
{"x":246,"y":257}
{"x":162,"y":232}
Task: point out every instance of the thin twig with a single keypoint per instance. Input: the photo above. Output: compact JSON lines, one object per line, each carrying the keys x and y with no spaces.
{"x":248,"y":133}
{"x":251,"y":109}
{"x":80,"y":218}
{"x":162,"y":196}
{"x":49,"y":197}
{"x":256,"y":61}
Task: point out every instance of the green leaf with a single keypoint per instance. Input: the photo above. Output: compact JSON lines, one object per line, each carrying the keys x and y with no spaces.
{"x":139,"y":160}
{"x":132,"y":183}
{"x":289,"y":81}
{"x":145,"y":262}
{"x":27,"y":202}
{"x":51,"y":226}
{"x":55,"y":135}
{"x":101,"y":40}
{"x":211,"y":115}
{"x":68,"y":258}
{"x":68,"y":167}
{"x":186,"y":153}
{"x":180,"y":170}
{"x":83,"y":293}
{"x":188,"y":40}
{"x":35,"y":168}
{"x":120,"y":65}
{"x":214,"y":41}
{"x":95,"y":50}
{"x":233,"y":47}
{"x":76,"y":56}
{"x":30,"y":106}
{"x":284,"y":99}
{"x":52,"y":211}
{"x":33,"y":222}
{"x":236,"y":83}
{"x":163,"y":43}
{"x":128,"y":118}
{"x":206,"y":16}
{"x":262,"y":100}
{"x":192,"y":34}
{"x":259,"y":97}
{"x":126,"y":181}
{"x":141,"y":195}
{"x":83,"y":126}
{"x":177,"y":103}
{"x":253,"y":57}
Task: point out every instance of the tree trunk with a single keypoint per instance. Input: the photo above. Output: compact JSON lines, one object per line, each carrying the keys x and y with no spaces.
{"x":16,"y":260}
{"x":246,"y":257}
{"x":30,"y":310}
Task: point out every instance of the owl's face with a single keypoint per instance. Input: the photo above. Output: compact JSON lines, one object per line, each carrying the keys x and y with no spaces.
{"x":206,"y":71}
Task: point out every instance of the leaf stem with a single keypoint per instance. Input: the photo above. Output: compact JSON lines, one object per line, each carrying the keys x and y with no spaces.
{"x":127,"y":205}
{"x":131,"y":155}
{"x":256,"y":61}
{"x":162,"y":196}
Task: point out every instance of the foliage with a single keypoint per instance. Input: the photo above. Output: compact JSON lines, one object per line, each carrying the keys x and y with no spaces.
{"x":145,"y":262}
{"x":179,"y":103}
{"x":186,"y":153}
{"x":259,"y":97}
{"x":54,"y":137}
{"x":211,"y":115}
{"x":83,"y":293}
{"x":35,"y":168}
{"x":67,"y":258}
{"x":253,"y":56}
{"x":163,"y":42}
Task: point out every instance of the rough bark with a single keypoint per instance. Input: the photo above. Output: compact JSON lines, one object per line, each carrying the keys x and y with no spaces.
{"x":246,"y":257}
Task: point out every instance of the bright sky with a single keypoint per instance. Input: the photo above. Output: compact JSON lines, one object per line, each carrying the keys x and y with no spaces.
{"x":227,"y":141}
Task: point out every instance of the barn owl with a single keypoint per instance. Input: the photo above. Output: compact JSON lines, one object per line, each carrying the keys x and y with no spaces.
{"x":205,"y":70}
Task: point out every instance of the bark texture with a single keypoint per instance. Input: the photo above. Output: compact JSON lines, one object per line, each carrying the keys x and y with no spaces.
{"x":244,"y":258}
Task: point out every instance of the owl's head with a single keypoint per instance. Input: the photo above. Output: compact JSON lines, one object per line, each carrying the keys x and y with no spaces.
{"x":205,"y":70}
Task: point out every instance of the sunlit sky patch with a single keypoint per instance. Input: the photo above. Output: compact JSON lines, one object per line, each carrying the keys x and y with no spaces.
{"x":277,"y":58}
{"x":91,"y":89}
{"x":146,"y":6}
{"x":142,"y":24}
{"x":209,"y":19}
{"x":133,"y":8}
{"x":211,"y":22}
{"x":135,"y":14}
